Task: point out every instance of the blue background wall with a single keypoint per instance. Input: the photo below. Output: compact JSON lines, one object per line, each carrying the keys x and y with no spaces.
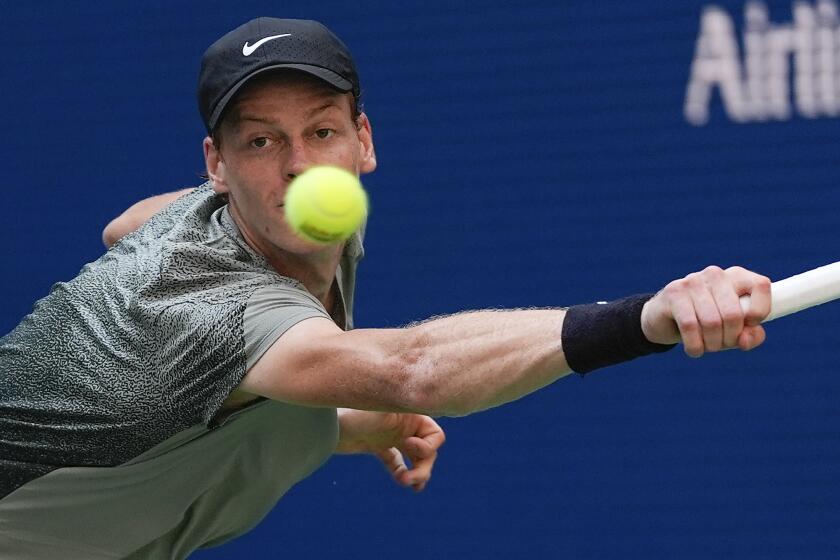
{"x":531,"y":154}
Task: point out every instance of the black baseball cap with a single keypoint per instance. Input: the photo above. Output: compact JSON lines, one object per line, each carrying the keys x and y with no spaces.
{"x":265,"y":44}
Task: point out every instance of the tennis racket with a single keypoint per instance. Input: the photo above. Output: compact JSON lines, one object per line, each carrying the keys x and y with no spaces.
{"x":802,"y":291}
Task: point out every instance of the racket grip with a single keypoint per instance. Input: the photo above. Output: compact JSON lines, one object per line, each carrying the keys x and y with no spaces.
{"x":811,"y":288}
{"x":745,"y":303}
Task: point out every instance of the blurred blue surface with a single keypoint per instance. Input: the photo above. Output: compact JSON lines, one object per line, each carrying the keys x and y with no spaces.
{"x":531,"y":154}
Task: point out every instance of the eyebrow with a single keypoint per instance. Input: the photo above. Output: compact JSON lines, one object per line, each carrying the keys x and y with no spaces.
{"x":253,"y":118}
{"x":240,"y":118}
{"x":323,"y":107}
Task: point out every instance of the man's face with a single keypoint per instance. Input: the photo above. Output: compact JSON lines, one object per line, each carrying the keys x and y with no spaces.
{"x":277,"y":129}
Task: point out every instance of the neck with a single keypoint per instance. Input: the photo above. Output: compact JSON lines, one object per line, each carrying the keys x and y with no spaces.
{"x":315,"y":270}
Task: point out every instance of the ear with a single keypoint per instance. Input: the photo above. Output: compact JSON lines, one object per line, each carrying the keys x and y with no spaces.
{"x":215,"y":166}
{"x":367,"y":162}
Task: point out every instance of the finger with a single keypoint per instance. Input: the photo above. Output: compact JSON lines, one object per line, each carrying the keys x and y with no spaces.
{"x":394,"y":462}
{"x":751,"y":337}
{"x":758,"y":288}
{"x":416,"y":476}
{"x":419,"y":476}
{"x":711,"y":324}
{"x":423,"y":454}
{"x":729,"y":309}
{"x":392,"y":459}
{"x":423,"y":458}
{"x":418,"y":448}
{"x":682,"y":309}
{"x":431,"y":432}
{"x":421,"y":467}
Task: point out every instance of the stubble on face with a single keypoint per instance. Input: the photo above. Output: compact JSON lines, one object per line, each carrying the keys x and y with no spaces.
{"x":278,"y":126}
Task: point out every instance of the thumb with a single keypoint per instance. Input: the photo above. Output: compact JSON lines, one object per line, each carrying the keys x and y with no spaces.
{"x":751,"y":337}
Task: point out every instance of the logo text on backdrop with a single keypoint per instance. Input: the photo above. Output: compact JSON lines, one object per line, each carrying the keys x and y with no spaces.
{"x":786,"y":68}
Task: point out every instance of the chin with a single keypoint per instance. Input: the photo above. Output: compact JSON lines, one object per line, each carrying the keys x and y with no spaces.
{"x":299,"y":246}
{"x":286,"y":239}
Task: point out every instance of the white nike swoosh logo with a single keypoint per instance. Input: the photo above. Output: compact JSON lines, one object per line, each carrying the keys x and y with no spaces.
{"x":248,"y":50}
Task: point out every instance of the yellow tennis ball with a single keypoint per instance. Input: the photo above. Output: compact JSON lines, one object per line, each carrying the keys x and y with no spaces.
{"x":325,"y":204}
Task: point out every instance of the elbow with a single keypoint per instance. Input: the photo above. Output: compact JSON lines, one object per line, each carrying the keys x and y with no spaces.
{"x":118,"y":228}
{"x":110,"y":234}
{"x":424,"y":389}
{"x":430,"y":396}
{"x":421,"y":392}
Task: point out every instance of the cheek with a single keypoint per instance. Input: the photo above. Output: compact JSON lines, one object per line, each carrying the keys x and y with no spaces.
{"x":347,"y":156}
{"x":257,"y":199}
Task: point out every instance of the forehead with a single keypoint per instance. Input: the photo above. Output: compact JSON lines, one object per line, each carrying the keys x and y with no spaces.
{"x":286,"y":91}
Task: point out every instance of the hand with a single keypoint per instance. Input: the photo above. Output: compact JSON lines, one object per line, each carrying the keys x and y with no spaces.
{"x":391,"y":437}
{"x":703,"y":310}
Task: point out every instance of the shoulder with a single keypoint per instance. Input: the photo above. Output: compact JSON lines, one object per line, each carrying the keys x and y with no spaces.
{"x":271,"y":311}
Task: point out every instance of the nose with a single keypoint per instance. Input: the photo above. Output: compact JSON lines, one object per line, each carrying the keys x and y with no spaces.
{"x":297,"y":162}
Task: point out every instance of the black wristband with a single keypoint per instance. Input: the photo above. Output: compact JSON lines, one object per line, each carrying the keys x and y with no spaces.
{"x":596,"y":335}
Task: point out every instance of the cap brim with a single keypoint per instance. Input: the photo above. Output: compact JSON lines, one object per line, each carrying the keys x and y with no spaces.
{"x":333,"y":79}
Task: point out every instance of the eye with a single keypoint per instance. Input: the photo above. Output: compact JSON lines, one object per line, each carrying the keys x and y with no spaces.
{"x":261,"y":142}
{"x":323,"y":133}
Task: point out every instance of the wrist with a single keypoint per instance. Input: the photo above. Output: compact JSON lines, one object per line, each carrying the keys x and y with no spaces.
{"x":348,"y":440}
{"x":659,"y":332}
{"x":603,"y":334}
{"x":364,"y":431}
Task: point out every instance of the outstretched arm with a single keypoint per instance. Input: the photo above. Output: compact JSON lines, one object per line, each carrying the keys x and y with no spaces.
{"x":448,"y":366}
{"x":464,"y":363}
{"x":137,"y":215}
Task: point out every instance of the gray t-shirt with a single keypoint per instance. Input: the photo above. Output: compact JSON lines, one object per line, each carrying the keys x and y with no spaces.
{"x":110,"y":393}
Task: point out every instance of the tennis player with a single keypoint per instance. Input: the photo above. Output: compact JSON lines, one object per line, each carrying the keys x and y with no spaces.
{"x":170,"y":394}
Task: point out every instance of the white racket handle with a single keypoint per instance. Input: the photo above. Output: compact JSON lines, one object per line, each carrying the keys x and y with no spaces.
{"x":802,"y":291}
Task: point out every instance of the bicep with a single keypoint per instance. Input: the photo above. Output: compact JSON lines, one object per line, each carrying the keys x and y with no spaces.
{"x":315,"y":363}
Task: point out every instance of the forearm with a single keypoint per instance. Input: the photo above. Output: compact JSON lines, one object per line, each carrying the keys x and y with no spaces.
{"x":451,"y":365}
{"x":473,"y":361}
